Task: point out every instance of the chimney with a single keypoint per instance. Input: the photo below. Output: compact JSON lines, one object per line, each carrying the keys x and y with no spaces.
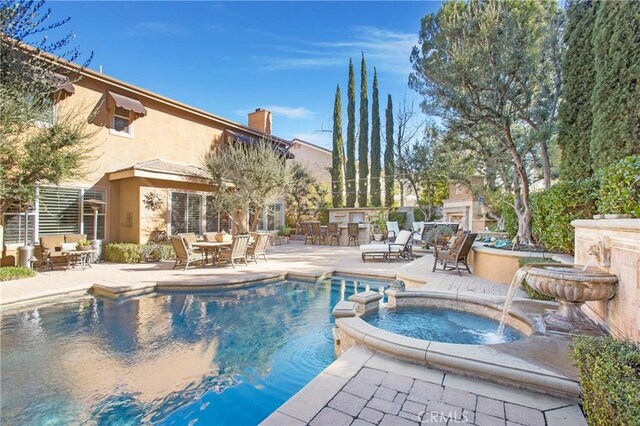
{"x":260,"y":120}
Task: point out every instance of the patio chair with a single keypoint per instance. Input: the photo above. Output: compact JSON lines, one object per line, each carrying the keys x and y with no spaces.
{"x":417,"y":231}
{"x":190,"y":238}
{"x":392,"y":230}
{"x":237,"y":251}
{"x":259,"y":247}
{"x":353,"y":231}
{"x":333,"y":231}
{"x":456,"y":254}
{"x":401,"y":248}
{"x":308,"y":233}
{"x":316,"y":232}
{"x":184,"y":255}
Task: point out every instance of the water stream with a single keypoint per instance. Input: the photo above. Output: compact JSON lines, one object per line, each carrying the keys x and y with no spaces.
{"x":518,"y":278}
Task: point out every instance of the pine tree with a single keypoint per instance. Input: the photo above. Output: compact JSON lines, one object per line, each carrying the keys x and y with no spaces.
{"x":363,"y":145}
{"x":350,"y":172}
{"x":337,"y":172}
{"x":616,"y":116}
{"x":376,"y":197}
{"x":389,"y":160}
{"x":575,"y":115}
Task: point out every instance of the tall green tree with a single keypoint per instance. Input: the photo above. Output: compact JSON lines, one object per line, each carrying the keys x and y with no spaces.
{"x":29,"y":79}
{"x":389,"y":159}
{"x":478,"y":65}
{"x":337,"y":164}
{"x":350,"y":171}
{"x":616,"y":115}
{"x":575,"y":115}
{"x":363,"y":141}
{"x":376,"y":168}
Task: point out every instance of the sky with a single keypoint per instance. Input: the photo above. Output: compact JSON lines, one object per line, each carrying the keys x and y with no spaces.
{"x":229,"y":58}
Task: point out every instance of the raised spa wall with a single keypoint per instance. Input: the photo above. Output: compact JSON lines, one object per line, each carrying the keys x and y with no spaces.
{"x":614,"y":246}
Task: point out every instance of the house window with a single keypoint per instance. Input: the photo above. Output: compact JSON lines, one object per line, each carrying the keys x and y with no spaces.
{"x":270,"y":219}
{"x":88,"y":213}
{"x":14,"y":226}
{"x":122,"y":121}
{"x":216,"y":222}
{"x":59,"y":211}
{"x":186,"y":213}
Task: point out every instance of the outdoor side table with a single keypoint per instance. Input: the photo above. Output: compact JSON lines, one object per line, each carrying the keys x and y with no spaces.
{"x":75,"y":257}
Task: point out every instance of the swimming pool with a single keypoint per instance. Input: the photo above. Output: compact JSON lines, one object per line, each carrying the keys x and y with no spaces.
{"x":221,"y":357}
{"x":441,"y":325}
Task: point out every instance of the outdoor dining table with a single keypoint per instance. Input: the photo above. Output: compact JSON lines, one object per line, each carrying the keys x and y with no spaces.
{"x":82,"y":257}
{"x":213,"y":247}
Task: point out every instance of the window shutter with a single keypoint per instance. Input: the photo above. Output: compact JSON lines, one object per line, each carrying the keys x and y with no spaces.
{"x":194,"y":219}
{"x":59,"y":210}
{"x":178,"y":212}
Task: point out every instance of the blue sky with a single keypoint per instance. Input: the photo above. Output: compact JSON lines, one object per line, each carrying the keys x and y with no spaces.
{"x":229,"y":58}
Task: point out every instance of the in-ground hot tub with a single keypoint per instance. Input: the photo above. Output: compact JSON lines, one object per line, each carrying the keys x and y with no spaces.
{"x":487,"y":358}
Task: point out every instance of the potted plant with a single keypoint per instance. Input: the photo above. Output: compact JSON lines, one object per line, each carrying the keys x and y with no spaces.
{"x":83,"y":245}
{"x":223,"y":237}
{"x":379,"y":227}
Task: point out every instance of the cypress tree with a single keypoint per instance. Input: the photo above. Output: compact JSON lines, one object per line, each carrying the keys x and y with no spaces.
{"x":575,"y":113}
{"x":389,"y":160}
{"x":616,"y":116}
{"x":363,"y":144}
{"x":374,"y":186}
{"x":337,"y":172}
{"x":350,"y":172}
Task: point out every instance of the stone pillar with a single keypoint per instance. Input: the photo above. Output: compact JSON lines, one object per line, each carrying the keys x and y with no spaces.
{"x":613,"y":245}
{"x":366,"y":301}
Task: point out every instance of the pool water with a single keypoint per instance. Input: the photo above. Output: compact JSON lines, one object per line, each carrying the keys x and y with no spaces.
{"x":441,"y":325}
{"x":221,"y":357}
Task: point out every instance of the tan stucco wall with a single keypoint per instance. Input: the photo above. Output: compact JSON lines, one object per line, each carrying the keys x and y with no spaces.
{"x":620,"y":315}
{"x":496,"y":264}
{"x":318,"y":161}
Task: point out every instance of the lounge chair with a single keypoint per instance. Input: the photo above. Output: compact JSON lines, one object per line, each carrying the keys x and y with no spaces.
{"x":237,"y":251}
{"x":417,"y":231}
{"x":353,"y":231}
{"x":392,"y":230}
{"x":184,"y":255}
{"x":456,"y":254}
{"x":401,"y":248}
{"x":333,"y":231}
{"x":259,"y":247}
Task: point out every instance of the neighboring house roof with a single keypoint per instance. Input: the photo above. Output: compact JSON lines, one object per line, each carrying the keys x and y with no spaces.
{"x":309,"y":144}
{"x":239,"y":137}
{"x":163,"y":169}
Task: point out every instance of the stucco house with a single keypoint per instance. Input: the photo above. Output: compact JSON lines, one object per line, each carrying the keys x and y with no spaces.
{"x":147,"y":168}
{"x":316,"y":159}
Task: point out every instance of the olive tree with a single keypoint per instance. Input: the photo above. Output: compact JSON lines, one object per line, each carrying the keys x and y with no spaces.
{"x":246,"y":177}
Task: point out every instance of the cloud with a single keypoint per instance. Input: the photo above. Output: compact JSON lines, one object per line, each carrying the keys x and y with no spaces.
{"x":323,"y":139}
{"x":388,"y":50}
{"x":289,"y":112}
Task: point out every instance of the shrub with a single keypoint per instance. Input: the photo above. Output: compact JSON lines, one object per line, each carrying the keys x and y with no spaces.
{"x":134,"y":253}
{"x":609,"y":372}
{"x":15,"y":273}
{"x":123,"y":252}
{"x":553,"y":211}
{"x":400,"y":217}
{"x":620,"y":187}
{"x":418,"y":215}
{"x":531,"y":292}
{"x":440,"y":231}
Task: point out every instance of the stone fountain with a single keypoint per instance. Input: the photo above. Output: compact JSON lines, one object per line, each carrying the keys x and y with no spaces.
{"x":571,"y":286}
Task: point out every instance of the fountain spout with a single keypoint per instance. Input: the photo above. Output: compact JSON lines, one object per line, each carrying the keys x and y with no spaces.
{"x":601,"y":252}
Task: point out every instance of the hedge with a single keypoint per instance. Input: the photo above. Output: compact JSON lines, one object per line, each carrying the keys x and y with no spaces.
{"x":609,"y":372}
{"x":133,"y":253}
{"x":15,"y":273}
{"x":619,"y":191}
{"x":400,"y":217}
